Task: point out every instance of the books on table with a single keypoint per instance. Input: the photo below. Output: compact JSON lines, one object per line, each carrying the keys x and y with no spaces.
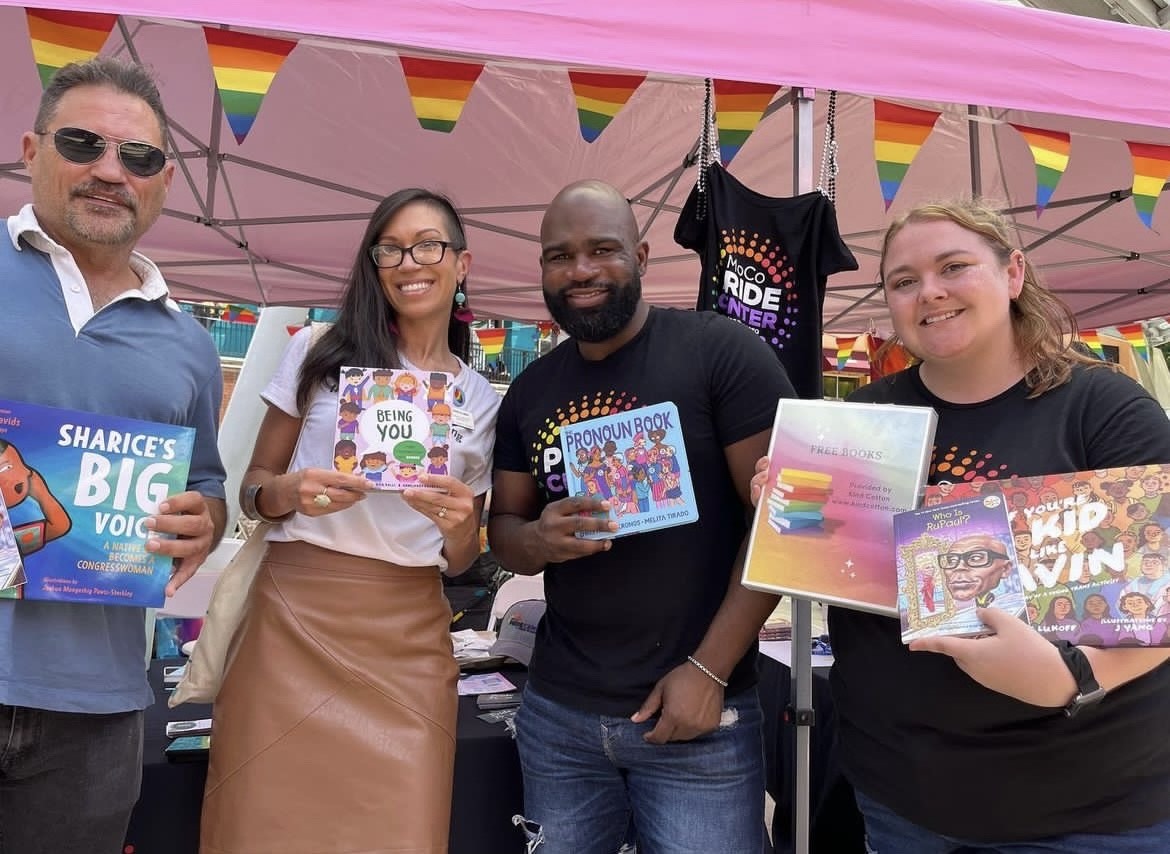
{"x":823,"y":528}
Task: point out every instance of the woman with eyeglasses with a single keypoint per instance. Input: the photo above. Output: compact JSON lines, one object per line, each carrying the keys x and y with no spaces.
{"x":1011,"y":743}
{"x":335,"y":725}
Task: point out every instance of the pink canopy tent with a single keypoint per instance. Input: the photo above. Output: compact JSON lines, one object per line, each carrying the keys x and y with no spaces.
{"x":275,"y":220}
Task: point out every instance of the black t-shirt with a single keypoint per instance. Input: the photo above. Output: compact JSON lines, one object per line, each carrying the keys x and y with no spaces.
{"x":922,"y":737}
{"x":765,"y":261}
{"x":617,"y":621}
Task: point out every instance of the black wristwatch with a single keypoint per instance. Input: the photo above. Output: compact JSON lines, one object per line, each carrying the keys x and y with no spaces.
{"x":1088,"y":689}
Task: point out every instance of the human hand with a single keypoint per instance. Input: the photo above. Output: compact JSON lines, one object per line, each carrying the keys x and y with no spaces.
{"x":760,"y":479}
{"x":1017,"y":660}
{"x":559,"y":521}
{"x":342,"y":490}
{"x":449,"y":504}
{"x":187,"y":518}
{"x":689,"y":704}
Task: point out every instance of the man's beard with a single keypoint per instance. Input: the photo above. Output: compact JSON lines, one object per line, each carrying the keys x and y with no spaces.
{"x":595,"y":325}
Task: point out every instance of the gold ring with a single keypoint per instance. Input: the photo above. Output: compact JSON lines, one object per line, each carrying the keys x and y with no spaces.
{"x":322,"y":500}
{"x":442,"y":514}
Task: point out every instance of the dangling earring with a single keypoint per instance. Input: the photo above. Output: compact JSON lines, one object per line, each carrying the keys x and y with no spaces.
{"x":462,"y":313}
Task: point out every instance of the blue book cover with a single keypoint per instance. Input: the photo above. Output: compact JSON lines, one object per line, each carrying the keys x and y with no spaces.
{"x":636,"y":460}
{"x":11,"y":566}
{"x":79,"y":488}
{"x":952,"y":558}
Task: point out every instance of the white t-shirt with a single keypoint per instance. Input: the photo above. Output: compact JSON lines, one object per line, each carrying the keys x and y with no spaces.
{"x":383,"y":526}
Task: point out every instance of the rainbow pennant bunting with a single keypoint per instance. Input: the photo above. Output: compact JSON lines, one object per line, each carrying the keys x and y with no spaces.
{"x":59,"y":38}
{"x":244,"y":66}
{"x":491,"y":341}
{"x":600,"y":97}
{"x":1135,"y":337}
{"x":1050,"y":150}
{"x":1092,"y":340}
{"x":739,"y":107}
{"x":439,"y":89}
{"x":898,"y":134}
{"x":1151,"y":169}
{"x":845,"y":351}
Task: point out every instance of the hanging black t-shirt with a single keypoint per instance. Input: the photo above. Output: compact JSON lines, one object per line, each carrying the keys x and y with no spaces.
{"x":921,"y":736}
{"x":765,"y":261}
{"x":619,"y":620}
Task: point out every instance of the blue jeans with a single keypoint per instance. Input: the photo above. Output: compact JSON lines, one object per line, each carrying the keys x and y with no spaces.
{"x":888,"y":833}
{"x":587,"y":777}
{"x":68,"y":781}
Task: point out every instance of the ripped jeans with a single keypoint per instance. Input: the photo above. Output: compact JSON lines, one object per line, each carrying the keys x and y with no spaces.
{"x":587,"y":777}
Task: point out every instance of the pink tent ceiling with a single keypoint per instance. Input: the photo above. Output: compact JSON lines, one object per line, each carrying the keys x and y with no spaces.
{"x":275,"y":219}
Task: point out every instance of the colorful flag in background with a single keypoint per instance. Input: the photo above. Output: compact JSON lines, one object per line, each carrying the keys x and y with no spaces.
{"x":898,"y":134}
{"x":600,"y":97}
{"x":739,"y":107}
{"x":59,"y":38}
{"x":1050,"y":149}
{"x":245,"y":66}
{"x":439,"y":89}
{"x":1151,"y":170}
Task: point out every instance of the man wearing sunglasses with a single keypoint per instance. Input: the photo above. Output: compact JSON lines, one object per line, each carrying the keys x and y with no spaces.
{"x":89,"y":326}
{"x":973,"y":567}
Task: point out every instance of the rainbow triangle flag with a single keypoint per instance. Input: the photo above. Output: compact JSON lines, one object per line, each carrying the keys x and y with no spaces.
{"x":844,"y":351}
{"x":244,"y":66}
{"x":59,"y":38}
{"x":491,"y":341}
{"x":1135,"y":336}
{"x":600,"y":97}
{"x":1151,"y":169}
{"x":738,"y":109}
{"x":1050,"y":150}
{"x":439,"y":89}
{"x":898,"y":134}
{"x":1092,"y":340}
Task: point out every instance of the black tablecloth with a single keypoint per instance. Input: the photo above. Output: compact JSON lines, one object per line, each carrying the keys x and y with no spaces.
{"x":836,"y":825}
{"x":488,"y":789}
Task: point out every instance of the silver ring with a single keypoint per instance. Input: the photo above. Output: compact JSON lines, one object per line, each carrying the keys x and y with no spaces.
{"x":322,"y":499}
{"x":442,"y":514}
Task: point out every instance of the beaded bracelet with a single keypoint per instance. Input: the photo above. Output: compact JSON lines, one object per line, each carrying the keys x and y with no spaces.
{"x":705,"y":669}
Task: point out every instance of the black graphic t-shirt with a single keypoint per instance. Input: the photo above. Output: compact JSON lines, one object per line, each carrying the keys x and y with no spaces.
{"x":619,"y":620}
{"x":924,"y":738}
{"x":765,"y":261}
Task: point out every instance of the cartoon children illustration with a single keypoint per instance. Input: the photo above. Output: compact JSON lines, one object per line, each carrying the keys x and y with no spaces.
{"x":405,"y":387}
{"x":347,"y":424}
{"x":441,"y":424}
{"x":406,"y":473}
{"x":436,"y":389}
{"x":641,"y":487}
{"x":374,"y":465}
{"x":39,"y":522}
{"x":380,"y":391}
{"x":437,"y":460}
{"x":354,"y":389}
{"x":345,"y":456}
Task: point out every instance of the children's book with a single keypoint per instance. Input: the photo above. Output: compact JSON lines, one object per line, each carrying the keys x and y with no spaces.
{"x":823,"y":527}
{"x":636,"y":460}
{"x":11,"y":566}
{"x":1093,"y":551}
{"x":79,"y":488}
{"x":394,"y":425}
{"x":952,"y":558}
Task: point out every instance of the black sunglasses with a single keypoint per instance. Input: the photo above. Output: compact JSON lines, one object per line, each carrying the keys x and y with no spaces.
{"x":78,"y":145}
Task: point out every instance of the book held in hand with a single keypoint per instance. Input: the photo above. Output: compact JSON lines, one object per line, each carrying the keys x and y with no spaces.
{"x":637,"y":461}
{"x":952,"y":558}
{"x":11,"y":566}
{"x":838,"y":472}
{"x":394,"y":425}
{"x":1093,"y":551}
{"x":79,"y":489}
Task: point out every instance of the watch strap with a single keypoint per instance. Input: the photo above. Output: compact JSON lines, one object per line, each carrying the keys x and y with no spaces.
{"x":1089,"y":690}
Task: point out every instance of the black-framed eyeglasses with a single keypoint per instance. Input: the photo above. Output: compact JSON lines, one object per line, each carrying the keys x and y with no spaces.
{"x":78,"y":145}
{"x":975,"y":559}
{"x":425,"y":252}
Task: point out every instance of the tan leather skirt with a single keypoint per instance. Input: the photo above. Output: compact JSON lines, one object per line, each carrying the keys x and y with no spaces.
{"x":335,"y":726}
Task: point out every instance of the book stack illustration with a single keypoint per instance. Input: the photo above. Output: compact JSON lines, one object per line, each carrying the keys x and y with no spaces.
{"x":952,"y":558}
{"x":1093,"y":550}
{"x":394,"y":425}
{"x":636,"y":460}
{"x":838,"y":472}
{"x":797,"y":501}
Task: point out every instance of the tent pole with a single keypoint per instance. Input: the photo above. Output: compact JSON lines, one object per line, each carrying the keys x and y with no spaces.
{"x":973,"y":149}
{"x":800,"y":711}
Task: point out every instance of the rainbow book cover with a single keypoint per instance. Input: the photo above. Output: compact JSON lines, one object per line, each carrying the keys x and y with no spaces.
{"x":79,"y":488}
{"x":838,"y":472}
{"x":636,"y":460}
{"x":394,"y":425}
{"x":1093,"y":551}
{"x":952,"y":558}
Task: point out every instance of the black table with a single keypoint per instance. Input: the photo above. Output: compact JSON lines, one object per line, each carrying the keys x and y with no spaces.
{"x":835,"y":824}
{"x":487,"y":791}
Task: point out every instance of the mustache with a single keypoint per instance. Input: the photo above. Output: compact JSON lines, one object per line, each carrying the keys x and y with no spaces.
{"x":110,"y":191}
